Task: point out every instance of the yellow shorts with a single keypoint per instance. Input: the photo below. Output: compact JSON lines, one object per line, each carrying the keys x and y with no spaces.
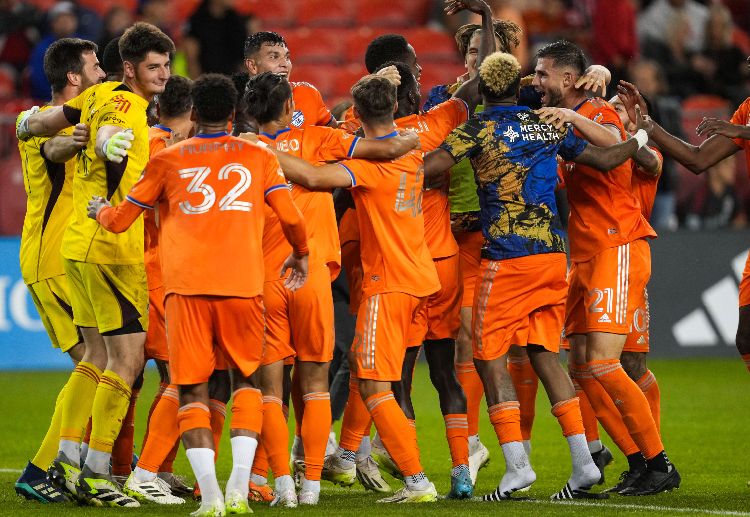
{"x":52,"y":300}
{"x":107,"y":296}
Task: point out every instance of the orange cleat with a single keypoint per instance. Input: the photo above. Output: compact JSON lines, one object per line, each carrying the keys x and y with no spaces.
{"x":260,"y":493}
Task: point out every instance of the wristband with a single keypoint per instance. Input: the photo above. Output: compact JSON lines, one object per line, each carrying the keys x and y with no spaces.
{"x":641,"y":137}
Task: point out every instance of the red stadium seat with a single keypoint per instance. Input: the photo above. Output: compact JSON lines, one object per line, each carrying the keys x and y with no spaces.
{"x":104,"y":7}
{"x":321,"y":76}
{"x":356,"y":41}
{"x":8,"y":77}
{"x":346,"y":77}
{"x":433,"y":45}
{"x":277,"y":13}
{"x":433,"y":75}
{"x":698,"y":106}
{"x":325,"y":13}
{"x":313,"y":46}
{"x":379,"y":13}
{"x":181,"y":10}
{"x":12,"y":195}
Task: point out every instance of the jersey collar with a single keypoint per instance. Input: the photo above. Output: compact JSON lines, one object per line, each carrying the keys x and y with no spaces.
{"x":276,"y":134}
{"x":163,"y":128}
{"x":389,"y":135}
{"x":212,"y":135}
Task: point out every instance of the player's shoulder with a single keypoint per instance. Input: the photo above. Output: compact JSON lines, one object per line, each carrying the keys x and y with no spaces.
{"x":596,"y":107}
{"x":744,"y":109}
{"x":303,"y":87}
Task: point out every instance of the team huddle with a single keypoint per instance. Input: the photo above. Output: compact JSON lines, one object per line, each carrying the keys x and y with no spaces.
{"x":442,"y":217}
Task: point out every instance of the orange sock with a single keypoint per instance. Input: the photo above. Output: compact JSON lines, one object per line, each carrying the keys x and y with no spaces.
{"x":457,"y":432}
{"x":395,"y":433}
{"x":590,"y":423}
{"x":218,"y":411}
{"x":474,"y":391}
{"x":746,"y":358}
{"x":260,"y":462}
{"x":633,"y":405}
{"x":164,"y":432}
{"x":316,"y":426}
{"x":122,"y":451}
{"x":155,"y":402}
{"x":568,"y":414}
{"x":505,"y":418}
{"x":526,"y":383}
{"x":650,"y":388}
{"x":356,"y":421}
{"x":605,"y":410}
{"x":275,"y":436}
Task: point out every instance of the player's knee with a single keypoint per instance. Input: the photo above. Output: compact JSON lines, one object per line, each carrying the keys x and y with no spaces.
{"x":634,"y":364}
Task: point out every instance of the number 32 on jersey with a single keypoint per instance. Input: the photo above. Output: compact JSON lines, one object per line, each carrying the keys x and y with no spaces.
{"x":198,"y":185}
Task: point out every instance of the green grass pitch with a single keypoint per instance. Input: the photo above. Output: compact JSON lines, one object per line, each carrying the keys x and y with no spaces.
{"x":705,"y":424}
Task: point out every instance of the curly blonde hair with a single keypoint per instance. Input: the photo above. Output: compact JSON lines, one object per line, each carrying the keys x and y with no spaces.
{"x":499,"y":71}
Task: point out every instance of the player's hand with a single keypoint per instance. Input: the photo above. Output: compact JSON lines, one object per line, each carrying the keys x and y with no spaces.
{"x":22,"y":123}
{"x":630,"y":96}
{"x":298,"y":275}
{"x":252,"y":138}
{"x":81,"y":135}
{"x":643,"y":121}
{"x":390,"y":73}
{"x":595,"y":80}
{"x":115,"y":148}
{"x":174,"y":137}
{"x":558,"y":117}
{"x":711,"y":126}
{"x":95,"y":206}
{"x":410,"y":136}
{"x":475,"y":6}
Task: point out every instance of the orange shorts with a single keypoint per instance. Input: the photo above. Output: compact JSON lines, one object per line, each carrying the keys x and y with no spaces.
{"x":198,"y":327}
{"x":745,"y":284}
{"x":351,"y":261}
{"x":606,"y":290}
{"x":526,"y":307}
{"x":470,"y":256}
{"x":440,"y":317}
{"x":385,"y":326}
{"x":637,"y":340}
{"x":301,"y":322}
{"x":156,"y":335}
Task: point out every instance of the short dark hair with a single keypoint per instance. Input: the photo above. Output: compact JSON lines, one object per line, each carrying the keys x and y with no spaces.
{"x":63,"y":56}
{"x":140,"y":39}
{"x":388,"y":47}
{"x":111,"y":60}
{"x":408,"y":81}
{"x":214,"y":97}
{"x":564,"y":54}
{"x":175,"y":100}
{"x":255,"y":41}
{"x":506,"y":31}
{"x":265,"y":96}
{"x":374,"y":98}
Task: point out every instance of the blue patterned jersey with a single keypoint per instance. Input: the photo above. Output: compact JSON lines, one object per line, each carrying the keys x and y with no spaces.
{"x":515,"y":167}
{"x":438,"y":94}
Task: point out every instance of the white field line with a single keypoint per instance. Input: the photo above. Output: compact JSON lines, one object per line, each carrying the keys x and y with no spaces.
{"x":644,"y":507}
{"x":11,"y":471}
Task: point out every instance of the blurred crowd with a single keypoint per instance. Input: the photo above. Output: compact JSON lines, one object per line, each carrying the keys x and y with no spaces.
{"x":687,"y":56}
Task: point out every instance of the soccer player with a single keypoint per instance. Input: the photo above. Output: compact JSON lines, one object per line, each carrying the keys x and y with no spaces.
{"x":106,"y":273}
{"x":152,"y":479}
{"x":267,"y":52}
{"x":514,"y":159}
{"x":71,"y":66}
{"x":398,"y":276}
{"x":611,"y":265}
{"x":300,"y":324}
{"x":205,"y":188}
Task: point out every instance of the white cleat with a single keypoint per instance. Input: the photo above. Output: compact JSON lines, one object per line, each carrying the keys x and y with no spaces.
{"x":286,"y":498}
{"x":156,"y":491}
{"x":236,"y":503}
{"x":308,"y":498}
{"x":332,"y":444}
{"x":336,"y":474}
{"x":410,"y":495}
{"x":384,"y":460}
{"x":370,"y":477}
{"x":210,"y":509}
{"x":479,"y":457}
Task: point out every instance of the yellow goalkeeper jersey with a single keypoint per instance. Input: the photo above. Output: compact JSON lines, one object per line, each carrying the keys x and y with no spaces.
{"x":106,"y":104}
{"x":49,"y":204}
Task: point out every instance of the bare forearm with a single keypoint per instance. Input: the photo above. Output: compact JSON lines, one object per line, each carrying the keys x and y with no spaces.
{"x":48,"y":122}
{"x":696,"y":158}
{"x":593,"y":132}
{"x":648,"y":160}
{"x":607,"y":158}
{"x":60,"y":149}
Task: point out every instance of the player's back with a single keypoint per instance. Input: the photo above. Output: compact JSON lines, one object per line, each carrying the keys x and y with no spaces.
{"x":49,"y":206}
{"x":110,"y":103}
{"x":388,"y":200}
{"x":604,"y":213}
{"x":157,"y":141}
{"x":211,"y":214}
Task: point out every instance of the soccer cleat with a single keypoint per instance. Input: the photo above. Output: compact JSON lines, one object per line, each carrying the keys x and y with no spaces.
{"x":601,"y":459}
{"x":569,"y":493}
{"x":64,"y":475}
{"x":370,"y":477}
{"x":308,"y":498}
{"x":297,"y":468}
{"x":34,"y":485}
{"x":461,"y":485}
{"x":260,"y":493}
{"x":332,"y":444}
{"x":197,"y":492}
{"x":120,"y":480}
{"x":336,"y":474}
{"x":213,"y":509}
{"x":653,"y":482}
{"x":411,"y":495}
{"x":384,"y":461}
{"x":176,"y":484}
{"x":102,"y":491}
{"x":627,"y":480}
{"x":286,"y":498}
{"x":479,"y":458}
{"x":236,"y":503}
{"x":156,"y":491}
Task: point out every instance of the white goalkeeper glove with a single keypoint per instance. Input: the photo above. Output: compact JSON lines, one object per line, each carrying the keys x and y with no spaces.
{"x":115,"y":148}
{"x":22,"y":123}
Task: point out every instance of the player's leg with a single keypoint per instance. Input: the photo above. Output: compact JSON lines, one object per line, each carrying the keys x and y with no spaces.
{"x":123,"y":448}
{"x":634,"y":364}
{"x":526,"y":383}
{"x":316,"y":423}
{"x":743,"y":328}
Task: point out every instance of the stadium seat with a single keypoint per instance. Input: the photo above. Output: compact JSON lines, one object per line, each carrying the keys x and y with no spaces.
{"x":321,"y":76}
{"x":435,"y":75}
{"x":356,"y":41}
{"x":433,"y":45}
{"x":8,"y":79}
{"x":43,"y":5}
{"x":346,"y":77}
{"x":104,"y":7}
{"x":276,"y":13}
{"x":182,"y":9}
{"x":698,"y":106}
{"x":12,"y":195}
{"x":313,"y":46}
{"x":325,"y":13}
{"x":379,"y":13}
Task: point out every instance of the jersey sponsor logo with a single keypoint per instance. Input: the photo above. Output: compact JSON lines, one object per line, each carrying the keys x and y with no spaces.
{"x":121,"y":103}
{"x":523,"y":116}
{"x":511,"y":134}
{"x":598,"y":118}
{"x":298,"y":119}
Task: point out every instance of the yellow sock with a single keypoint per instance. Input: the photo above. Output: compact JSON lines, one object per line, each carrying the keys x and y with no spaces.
{"x":79,"y":396}
{"x":48,"y":449}
{"x":109,"y":408}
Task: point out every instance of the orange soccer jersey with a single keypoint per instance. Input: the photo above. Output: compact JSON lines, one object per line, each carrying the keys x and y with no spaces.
{"x":644,"y":185}
{"x":604,"y":212}
{"x":309,"y":108}
{"x":742,"y":117}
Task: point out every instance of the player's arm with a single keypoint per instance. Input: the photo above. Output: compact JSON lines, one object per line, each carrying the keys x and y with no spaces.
{"x":437,"y":162}
{"x":386,"y":149}
{"x":324,"y":177}
{"x":33,"y":122}
{"x":598,"y":134}
{"x":649,"y":161}
{"x":469,"y":90}
{"x":60,"y":149}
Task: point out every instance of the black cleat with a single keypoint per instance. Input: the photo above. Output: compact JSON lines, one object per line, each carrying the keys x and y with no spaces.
{"x":34,"y":485}
{"x":627,"y":480}
{"x":601,"y":459}
{"x":654,"y":482}
{"x":569,"y":493}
